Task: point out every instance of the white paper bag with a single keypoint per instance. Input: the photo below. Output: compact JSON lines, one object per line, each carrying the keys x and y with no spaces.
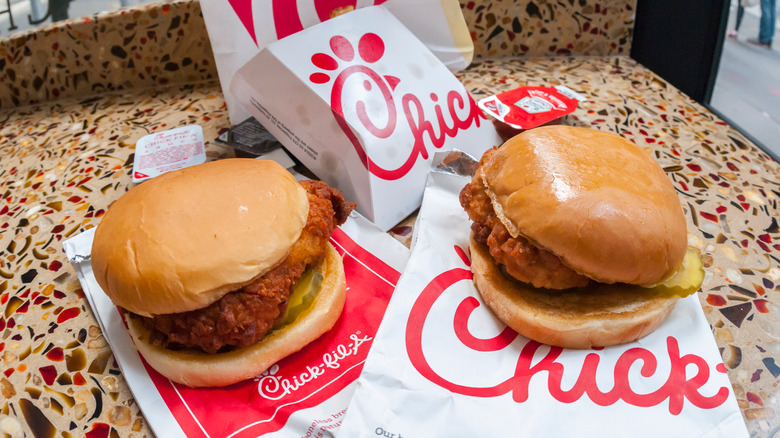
{"x":443,"y":365}
{"x":364,"y":105}
{"x":239,"y":29}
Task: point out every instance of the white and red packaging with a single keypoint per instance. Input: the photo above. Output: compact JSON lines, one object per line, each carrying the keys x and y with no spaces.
{"x":443,"y":365}
{"x":524,"y":108}
{"x":305,"y":394}
{"x":362,"y":103}
{"x":169,"y":150}
{"x":239,"y":29}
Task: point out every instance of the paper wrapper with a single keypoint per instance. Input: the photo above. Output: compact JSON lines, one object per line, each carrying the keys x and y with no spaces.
{"x":238,"y":30}
{"x":305,"y":394}
{"x":363,"y":104}
{"x":443,"y":365}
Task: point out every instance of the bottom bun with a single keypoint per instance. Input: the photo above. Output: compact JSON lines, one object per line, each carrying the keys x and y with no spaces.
{"x":196,"y":368}
{"x":593,"y":316}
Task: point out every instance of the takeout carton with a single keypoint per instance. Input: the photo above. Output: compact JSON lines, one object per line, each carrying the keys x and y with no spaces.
{"x":240,"y":29}
{"x":362,"y":103}
{"x":442,"y":365}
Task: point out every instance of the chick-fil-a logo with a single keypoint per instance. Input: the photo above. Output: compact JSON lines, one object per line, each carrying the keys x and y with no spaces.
{"x":446,"y":122}
{"x":677,"y":388}
{"x":273,"y":386}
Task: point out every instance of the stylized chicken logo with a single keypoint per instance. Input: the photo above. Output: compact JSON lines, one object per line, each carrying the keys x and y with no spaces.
{"x":370,"y":49}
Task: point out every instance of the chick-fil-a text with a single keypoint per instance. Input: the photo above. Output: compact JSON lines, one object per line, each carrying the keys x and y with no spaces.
{"x":677,"y":388}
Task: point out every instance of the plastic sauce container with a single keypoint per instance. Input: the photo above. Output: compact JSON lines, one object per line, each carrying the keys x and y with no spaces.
{"x":524,"y":108}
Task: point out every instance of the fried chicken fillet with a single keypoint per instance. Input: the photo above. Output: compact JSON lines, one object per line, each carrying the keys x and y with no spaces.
{"x":520,"y":257}
{"x":243,"y":317}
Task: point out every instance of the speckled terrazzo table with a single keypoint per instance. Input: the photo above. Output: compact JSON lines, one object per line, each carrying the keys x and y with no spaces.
{"x":63,"y":161}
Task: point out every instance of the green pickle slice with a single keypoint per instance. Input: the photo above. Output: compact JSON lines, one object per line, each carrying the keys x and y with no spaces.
{"x":687,"y":279}
{"x":303,"y":295}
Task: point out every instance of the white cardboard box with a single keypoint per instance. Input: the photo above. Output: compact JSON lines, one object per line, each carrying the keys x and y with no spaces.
{"x":364,"y":104}
{"x":240,"y":29}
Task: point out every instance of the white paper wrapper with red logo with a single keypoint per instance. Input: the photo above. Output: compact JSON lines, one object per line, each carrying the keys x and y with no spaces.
{"x":364,"y":105}
{"x":442,"y":365}
{"x":303,"y":395}
{"x":239,"y":29}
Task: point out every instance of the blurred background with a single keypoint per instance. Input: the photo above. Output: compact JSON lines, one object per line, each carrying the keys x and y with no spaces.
{"x":747,"y":87}
{"x":746,"y":90}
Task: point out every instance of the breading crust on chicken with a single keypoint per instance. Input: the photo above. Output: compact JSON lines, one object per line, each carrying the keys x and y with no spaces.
{"x":521,"y":258}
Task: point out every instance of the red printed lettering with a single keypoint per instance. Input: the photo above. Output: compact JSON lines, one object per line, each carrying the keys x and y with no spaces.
{"x":676,"y":390}
{"x":434,"y":129}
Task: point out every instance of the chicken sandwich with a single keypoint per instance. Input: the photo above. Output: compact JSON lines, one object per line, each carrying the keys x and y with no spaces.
{"x":578,"y":237}
{"x":223,"y":268}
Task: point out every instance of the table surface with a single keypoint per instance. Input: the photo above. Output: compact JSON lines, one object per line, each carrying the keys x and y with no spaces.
{"x":63,"y":163}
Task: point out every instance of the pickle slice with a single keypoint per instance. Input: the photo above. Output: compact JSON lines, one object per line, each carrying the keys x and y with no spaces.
{"x":685,"y":281}
{"x":304,"y":292}
{"x":689,"y":275}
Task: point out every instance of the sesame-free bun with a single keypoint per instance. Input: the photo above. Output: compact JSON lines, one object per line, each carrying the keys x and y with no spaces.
{"x":593,"y":316}
{"x":195,"y":368}
{"x":182,"y":240}
{"x":594,"y":199}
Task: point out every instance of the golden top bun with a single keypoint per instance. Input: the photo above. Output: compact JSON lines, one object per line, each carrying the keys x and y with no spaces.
{"x":195,"y":368}
{"x":579,"y":318}
{"x":184,"y":239}
{"x":596,"y":200}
